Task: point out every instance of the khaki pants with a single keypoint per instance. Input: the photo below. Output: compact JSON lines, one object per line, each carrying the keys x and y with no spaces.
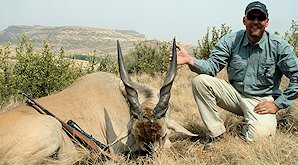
{"x":211,"y":93}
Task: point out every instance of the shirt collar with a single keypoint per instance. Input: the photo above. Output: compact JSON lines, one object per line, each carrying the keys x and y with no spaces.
{"x":245,"y":41}
{"x":261,"y":43}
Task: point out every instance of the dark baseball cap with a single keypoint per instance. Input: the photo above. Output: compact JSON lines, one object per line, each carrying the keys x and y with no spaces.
{"x":256,"y":5}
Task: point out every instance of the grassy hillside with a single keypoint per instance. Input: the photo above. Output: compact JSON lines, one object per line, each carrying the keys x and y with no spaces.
{"x":74,"y":39}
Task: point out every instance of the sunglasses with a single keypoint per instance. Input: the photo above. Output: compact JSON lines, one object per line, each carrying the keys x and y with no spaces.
{"x":252,"y":17}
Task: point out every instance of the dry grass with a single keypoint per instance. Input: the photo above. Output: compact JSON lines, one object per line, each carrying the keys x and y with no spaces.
{"x":280,"y":149}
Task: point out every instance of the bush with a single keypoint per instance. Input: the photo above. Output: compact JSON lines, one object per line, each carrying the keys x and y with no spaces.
{"x":150,"y":59}
{"x":7,"y":84}
{"x":208,"y":42}
{"x":92,"y":62}
{"x":292,"y":35}
{"x":108,"y":64}
{"x":42,"y":73}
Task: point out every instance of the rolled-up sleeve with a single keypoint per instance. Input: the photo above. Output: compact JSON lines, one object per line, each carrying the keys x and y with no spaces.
{"x":288,"y":64}
{"x":218,"y":58}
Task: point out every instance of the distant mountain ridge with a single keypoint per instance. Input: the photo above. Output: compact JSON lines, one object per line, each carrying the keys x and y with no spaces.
{"x":74,"y":39}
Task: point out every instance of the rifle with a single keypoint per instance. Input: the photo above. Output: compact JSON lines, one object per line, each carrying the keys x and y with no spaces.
{"x":73,"y":130}
{"x":78,"y":128}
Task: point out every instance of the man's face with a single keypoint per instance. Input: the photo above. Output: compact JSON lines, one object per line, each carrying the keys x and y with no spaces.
{"x":255,"y":22}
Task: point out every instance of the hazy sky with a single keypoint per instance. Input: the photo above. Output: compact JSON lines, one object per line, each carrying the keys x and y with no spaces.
{"x":187,"y":20}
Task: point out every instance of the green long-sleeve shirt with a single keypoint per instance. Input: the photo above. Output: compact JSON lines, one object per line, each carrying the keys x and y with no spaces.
{"x":255,"y":69}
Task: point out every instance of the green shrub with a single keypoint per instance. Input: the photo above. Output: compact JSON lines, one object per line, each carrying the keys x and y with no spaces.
{"x":108,"y":64}
{"x":42,"y":73}
{"x":292,"y":35}
{"x":150,"y":59}
{"x":7,"y":84}
{"x":93,"y":60}
{"x":208,"y":42}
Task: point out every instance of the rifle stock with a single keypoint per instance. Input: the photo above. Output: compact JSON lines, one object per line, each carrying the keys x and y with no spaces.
{"x":72,"y":132}
{"x":91,"y":145}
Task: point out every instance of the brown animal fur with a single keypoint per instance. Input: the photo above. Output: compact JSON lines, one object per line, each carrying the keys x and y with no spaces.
{"x":96,"y":103}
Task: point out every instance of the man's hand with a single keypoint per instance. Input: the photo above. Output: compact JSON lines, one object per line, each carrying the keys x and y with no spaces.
{"x":266,"y":107}
{"x":182,"y":56}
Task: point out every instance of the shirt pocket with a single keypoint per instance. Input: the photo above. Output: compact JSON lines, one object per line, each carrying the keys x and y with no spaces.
{"x":290,"y":65}
{"x":266,"y":72}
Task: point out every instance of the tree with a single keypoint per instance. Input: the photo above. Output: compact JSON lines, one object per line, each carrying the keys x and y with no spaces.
{"x":292,"y":35}
{"x":42,"y":73}
{"x":7,"y":84}
{"x":208,"y":41}
{"x":107,"y":64}
{"x":148,"y":58}
{"x":92,"y":61}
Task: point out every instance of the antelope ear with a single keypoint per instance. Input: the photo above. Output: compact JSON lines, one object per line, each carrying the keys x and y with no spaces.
{"x":123,"y":134}
{"x":122,"y":89}
{"x":171,"y":124}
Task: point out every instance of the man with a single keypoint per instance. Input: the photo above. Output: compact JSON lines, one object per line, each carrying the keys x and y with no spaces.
{"x":256,"y":61}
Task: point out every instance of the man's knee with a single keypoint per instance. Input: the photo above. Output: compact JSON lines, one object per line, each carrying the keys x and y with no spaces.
{"x":256,"y":131}
{"x":201,"y":81}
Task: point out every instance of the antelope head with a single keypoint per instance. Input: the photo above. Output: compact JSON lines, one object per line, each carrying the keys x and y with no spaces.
{"x":149,"y":124}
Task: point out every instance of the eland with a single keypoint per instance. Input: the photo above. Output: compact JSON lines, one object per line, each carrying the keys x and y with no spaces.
{"x":125,"y":115}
